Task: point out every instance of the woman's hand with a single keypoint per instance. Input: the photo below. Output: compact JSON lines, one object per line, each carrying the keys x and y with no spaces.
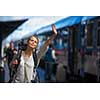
{"x":54,"y":29}
{"x":49,"y":41}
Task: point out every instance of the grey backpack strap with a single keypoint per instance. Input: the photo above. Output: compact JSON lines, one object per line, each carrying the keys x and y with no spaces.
{"x":35,"y":59}
{"x":36,"y":80}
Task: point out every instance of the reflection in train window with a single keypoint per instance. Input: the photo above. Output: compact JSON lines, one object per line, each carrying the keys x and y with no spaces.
{"x":98,"y":38}
{"x":90,"y":35}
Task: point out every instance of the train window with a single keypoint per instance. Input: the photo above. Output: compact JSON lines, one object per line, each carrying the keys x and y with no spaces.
{"x":98,"y":38}
{"x":90,"y":35}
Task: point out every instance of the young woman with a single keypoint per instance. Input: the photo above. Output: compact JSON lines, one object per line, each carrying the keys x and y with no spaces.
{"x":25,"y":72}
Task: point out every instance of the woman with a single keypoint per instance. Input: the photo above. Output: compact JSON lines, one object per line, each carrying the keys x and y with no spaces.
{"x":25,"y":69}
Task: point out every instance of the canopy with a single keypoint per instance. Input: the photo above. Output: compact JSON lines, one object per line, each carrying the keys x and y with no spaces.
{"x":32,"y":26}
{"x":84,"y":18}
{"x":41,"y":24}
{"x":68,"y":21}
{"x":13,"y":18}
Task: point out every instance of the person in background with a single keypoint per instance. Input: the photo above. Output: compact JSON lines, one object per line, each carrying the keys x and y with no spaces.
{"x":41,"y":71}
{"x":9,"y":53}
{"x":50,"y":59}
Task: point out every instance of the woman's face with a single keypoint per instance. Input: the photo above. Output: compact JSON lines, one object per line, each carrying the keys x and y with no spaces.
{"x":33,"y":42}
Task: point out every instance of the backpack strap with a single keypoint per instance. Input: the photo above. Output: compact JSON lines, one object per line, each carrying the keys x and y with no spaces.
{"x":35,"y":58}
{"x":36,"y":80}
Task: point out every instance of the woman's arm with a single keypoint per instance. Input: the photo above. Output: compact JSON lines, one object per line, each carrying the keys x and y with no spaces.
{"x":43,"y":49}
{"x":49,"y":41}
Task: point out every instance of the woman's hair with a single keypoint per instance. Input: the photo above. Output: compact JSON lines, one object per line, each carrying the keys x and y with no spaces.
{"x":33,"y":36}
